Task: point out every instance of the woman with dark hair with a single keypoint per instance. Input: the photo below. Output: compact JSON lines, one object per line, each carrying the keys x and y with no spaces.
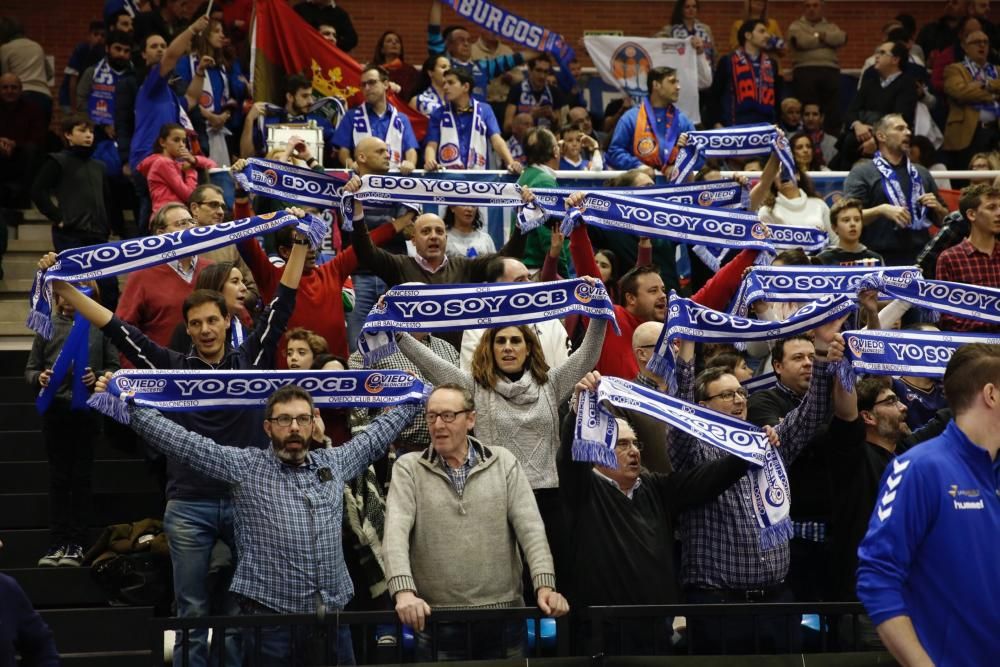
{"x":684,"y":23}
{"x":227,"y":280}
{"x":466,"y":237}
{"x":796,"y":204}
{"x":389,"y":54}
{"x":804,"y":151}
{"x":431,"y":85}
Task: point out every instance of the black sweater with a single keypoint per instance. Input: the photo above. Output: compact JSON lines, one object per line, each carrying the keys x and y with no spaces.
{"x":621,"y":549}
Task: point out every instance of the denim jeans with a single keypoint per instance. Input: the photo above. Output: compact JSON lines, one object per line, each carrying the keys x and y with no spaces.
{"x":484,"y":640}
{"x":310,"y":645}
{"x":367,"y":290}
{"x":193,"y":527}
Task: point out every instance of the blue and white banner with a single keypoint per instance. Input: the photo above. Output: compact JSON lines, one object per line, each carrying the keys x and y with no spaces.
{"x":691,"y":321}
{"x":417,"y":307}
{"x":111,"y":259}
{"x":413,"y":191}
{"x":958,"y":299}
{"x":597,"y":434}
{"x":791,"y":237}
{"x":743,"y":141}
{"x":894,"y":352}
{"x":723,"y":194}
{"x":805,"y":283}
{"x":623,"y":62}
{"x":187,"y":391}
{"x":290,"y":183}
{"x":714,"y":227}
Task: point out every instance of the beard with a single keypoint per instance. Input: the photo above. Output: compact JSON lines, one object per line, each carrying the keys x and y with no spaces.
{"x":282,"y":452}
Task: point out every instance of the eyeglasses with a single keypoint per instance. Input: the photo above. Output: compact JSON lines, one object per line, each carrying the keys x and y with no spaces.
{"x":978,"y":42}
{"x":624,"y":444}
{"x":181,"y":224}
{"x":448,"y":416}
{"x":888,"y":400}
{"x":729,"y":396}
{"x":215,"y":205}
{"x":286,"y":420}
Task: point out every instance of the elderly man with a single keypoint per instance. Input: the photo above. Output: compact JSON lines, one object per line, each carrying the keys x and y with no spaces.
{"x":643,"y":343}
{"x":289,"y":500}
{"x":972,"y":87}
{"x":464,"y":501}
{"x":622,"y":526}
{"x":815,"y":68}
{"x":926,"y":570}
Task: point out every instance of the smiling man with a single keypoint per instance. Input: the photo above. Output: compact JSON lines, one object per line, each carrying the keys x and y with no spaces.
{"x":461,"y":502}
{"x":208,"y":207}
{"x":643,"y":299}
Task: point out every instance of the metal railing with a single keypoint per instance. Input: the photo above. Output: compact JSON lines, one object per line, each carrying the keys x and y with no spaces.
{"x":597,"y":631}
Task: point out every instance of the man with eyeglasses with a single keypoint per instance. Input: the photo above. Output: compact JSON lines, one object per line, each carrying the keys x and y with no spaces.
{"x":722,"y":559}
{"x":456,"y":516}
{"x":208,"y":207}
{"x":973,"y":89}
{"x":622,"y":525}
{"x":376,"y":117}
{"x":534,"y":95}
{"x":289,"y":500}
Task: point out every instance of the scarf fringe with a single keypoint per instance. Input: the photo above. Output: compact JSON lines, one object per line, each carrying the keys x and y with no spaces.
{"x":773,"y":536}
{"x":347,"y":209}
{"x":39,"y":323}
{"x":373,"y":352}
{"x":660,"y":366}
{"x":105,"y":403}
{"x":593,"y":451}
{"x":844,"y":372}
{"x":570,"y":221}
{"x":313,"y":228}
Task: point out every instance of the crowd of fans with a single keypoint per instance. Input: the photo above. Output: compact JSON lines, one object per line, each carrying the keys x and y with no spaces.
{"x":441,"y":504}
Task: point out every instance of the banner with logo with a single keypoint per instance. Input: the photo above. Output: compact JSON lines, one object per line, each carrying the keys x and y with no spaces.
{"x":184,"y":391}
{"x":283,"y":43}
{"x":894,"y":352}
{"x":623,"y":62}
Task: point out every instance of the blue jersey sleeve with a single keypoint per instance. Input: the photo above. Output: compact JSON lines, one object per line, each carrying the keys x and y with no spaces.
{"x":492,"y":127}
{"x":897,"y":527}
{"x":434,"y":127}
{"x":343,"y":137}
{"x":409,"y":138}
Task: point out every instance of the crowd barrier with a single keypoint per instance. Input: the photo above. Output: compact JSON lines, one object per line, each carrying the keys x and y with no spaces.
{"x":826,"y":639}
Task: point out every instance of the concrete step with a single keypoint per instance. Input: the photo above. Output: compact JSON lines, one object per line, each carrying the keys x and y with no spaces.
{"x":19,"y":417}
{"x":99,"y":629}
{"x":59,"y":586}
{"x":31,"y":510}
{"x":26,"y":446}
{"x":121,"y":476}
{"x":23,"y":548}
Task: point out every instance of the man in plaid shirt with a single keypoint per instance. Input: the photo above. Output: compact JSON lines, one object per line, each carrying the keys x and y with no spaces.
{"x":288,"y":505}
{"x":976,"y":260}
{"x":722,"y":560}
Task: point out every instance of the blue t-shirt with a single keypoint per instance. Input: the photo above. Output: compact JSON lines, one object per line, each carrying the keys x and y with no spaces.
{"x":464,"y":121}
{"x":344,"y":136}
{"x":156,"y":104}
{"x":921,"y":406}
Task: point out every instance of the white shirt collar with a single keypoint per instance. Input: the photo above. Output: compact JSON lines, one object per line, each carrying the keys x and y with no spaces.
{"x":629,"y":493}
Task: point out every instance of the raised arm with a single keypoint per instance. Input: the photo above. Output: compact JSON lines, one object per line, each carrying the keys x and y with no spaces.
{"x":371,"y":444}
{"x":581,"y":362}
{"x":433,"y":367}
{"x":181,"y":44}
{"x":758,"y":193}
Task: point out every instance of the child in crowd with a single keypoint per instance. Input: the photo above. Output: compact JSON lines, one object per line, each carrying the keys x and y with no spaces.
{"x":573,"y":144}
{"x":846,"y":222}
{"x":171,"y":171}
{"x":303,"y":348}
{"x":69,"y":435}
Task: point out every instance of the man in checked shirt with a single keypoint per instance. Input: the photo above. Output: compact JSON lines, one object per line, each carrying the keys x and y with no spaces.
{"x":288,"y":503}
{"x":722,"y":560}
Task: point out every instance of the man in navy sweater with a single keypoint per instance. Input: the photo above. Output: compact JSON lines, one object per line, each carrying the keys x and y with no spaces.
{"x":927,"y":567}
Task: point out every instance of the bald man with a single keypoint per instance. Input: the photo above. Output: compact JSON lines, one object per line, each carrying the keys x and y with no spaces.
{"x":643,"y":342}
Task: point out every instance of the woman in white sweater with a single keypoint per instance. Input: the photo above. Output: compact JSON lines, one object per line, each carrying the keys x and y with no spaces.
{"x":796,"y":204}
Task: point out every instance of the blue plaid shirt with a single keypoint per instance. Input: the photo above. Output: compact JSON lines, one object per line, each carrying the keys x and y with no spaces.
{"x":288,"y":521}
{"x":721,"y":540}
{"x":459,"y":475}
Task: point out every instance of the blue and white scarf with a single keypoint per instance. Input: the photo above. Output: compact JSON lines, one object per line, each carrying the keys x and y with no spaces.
{"x":414,"y":192}
{"x":894,"y":190}
{"x":597,"y":433}
{"x":984,"y":75}
{"x":743,"y":141}
{"x":721,"y":194}
{"x":75,"y":355}
{"x":184,"y":391}
{"x":450,"y":149}
{"x":805,"y":283}
{"x":428,"y":101}
{"x":111,"y":259}
{"x":512,"y":28}
{"x":691,"y":321}
{"x":715,"y":227}
{"x":450,"y":307}
{"x":793,"y":237}
{"x":290,"y":183}
{"x":893,"y":352}
{"x":101,"y":101}
{"x":959,"y":299}
{"x":362,"y":127}
{"x":760,"y":383}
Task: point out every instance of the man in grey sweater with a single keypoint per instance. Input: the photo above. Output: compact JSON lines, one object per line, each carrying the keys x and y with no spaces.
{"x":455,"y":516}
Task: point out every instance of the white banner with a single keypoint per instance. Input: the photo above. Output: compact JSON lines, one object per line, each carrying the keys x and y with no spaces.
{"x":624,"y":61}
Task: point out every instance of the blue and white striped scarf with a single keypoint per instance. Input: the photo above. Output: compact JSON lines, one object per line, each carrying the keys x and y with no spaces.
{"x":73,"y":357}
{"x":722,"y":193}
{"x":805,"y":283}
{"x":893,"y":352}
{"x":450,"y":307}
{"x":597,"y":433}
{"x":894,"y":190}
{"x":111,"y":259}
{"x":714,"y":227}
{"x":743,"y":141}
{"x":185,"y":391}
{"x":691,"y":321}
{"x":959,"y":299}
{"x":413,"y":191}
{"x":287,"y":182}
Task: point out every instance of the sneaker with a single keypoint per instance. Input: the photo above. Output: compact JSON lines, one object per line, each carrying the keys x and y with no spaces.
{"x":73,"y":556}
{"x":51,"y":559}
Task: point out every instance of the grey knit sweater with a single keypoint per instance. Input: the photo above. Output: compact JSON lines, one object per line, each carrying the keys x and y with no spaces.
{"x":462,"y":551}
{"x":522,"y":416}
